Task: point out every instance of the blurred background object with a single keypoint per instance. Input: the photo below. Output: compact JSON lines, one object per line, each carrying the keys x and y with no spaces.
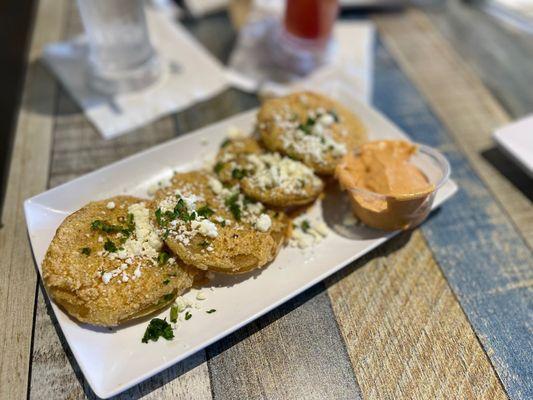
{"x":121,"y":57}
{"x":516,"y":13}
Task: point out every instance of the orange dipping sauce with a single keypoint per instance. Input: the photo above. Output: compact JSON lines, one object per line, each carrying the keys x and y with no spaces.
{"x":386,"y":190}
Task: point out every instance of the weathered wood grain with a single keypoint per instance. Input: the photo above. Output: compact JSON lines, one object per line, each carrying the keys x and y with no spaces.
{"x":293,"y":352}
{"x":406,"y":335}
{"x":459,"y":99}
{"x":500,"y":55}
{"x":17,"y":279}
{"x":481,"y":253}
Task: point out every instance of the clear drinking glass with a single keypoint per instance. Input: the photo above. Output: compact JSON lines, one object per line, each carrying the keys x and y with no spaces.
{"x":121,"y":57}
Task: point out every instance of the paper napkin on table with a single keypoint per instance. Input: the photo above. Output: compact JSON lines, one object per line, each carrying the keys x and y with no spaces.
{"x":251,"y":66}
{"x":199,"y":8}
{"x":190,"y":74}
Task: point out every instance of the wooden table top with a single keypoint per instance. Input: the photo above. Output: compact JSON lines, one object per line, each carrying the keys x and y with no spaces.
{"x":444,"y":311}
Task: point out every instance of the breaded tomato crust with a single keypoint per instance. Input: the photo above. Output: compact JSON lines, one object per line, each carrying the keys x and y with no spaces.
{"x":268,"y":177}
{"x":213,"y":227}
{"x":106,"y":264}
{"x":311,"y":128}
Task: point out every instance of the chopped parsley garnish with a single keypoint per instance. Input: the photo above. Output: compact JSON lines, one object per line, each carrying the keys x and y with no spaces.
{"x":174,"y":310}
{"x":163,"y":257}
{"x":110,"y":228}
{"x":211,"y":311}
{"x":308,"y":126}
{"x":158,"y":328}
{"x":218,"y":167}
{"x":188,"y":316}
{"x":159,"y":217}
{"x":110,"y":246}
{"x":180,"y":211}
{"x":225,"y":143}
{"x":235,"y":209}
{"x":238,"y":173}
{"x":305,"y":225}
{"x":166,"y":281}
{"x":165,"y":234}
{"x":205,"y":212}
{"x":168,"y":296}
{"x":86,"y":251}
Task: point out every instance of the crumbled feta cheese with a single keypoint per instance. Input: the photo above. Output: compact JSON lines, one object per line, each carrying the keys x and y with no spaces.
{"x":215,"y":185}
{"x":307,"y":233}
{"x":263,"y":223}
{"x":206,"y":228}
{"x":282,"y":173}
{"x":234,"y":133}
{"x":110,"y":205}
{"x":201,"y":296}
{"x":327,"y":119}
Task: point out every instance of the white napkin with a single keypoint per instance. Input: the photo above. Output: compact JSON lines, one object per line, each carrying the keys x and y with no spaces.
{"x":251,"y":68}
{"x":199,"y":8}
{"x":190,"y":74}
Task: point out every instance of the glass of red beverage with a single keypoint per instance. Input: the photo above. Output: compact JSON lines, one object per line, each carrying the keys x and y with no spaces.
{"x":310,"y":21}
{"x":305,"y":41}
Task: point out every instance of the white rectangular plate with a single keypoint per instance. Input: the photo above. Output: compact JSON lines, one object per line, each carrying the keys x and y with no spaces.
{"x":113,"y":361}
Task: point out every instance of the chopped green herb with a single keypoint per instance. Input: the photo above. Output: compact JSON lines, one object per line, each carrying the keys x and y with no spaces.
{"x":235,"y":209}
{"x":166,"y":281}
{"x":174,"y":310}
{"x":110,"y":228}
{"x":211,"y":311}
{"x":205,"y":212}
{"x":158,"y":328}
{"x":105,"y":226}
{"x":305,"y":225}
{"x":86,"y":251}
{"x":238,"y":173}
{"x":163,"y":257}
{"x":165,"y":234}
{"x":188,"y":316}
{"x":218,"y":167}
{"x":159,"y":217}
{"x":225,"y":143}
{"x":168,"y":296}
{"x":308,"y":126}
{"x":110,"y":246}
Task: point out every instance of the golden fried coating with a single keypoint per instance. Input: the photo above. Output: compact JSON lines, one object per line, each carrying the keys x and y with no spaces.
{"x":311,"y":128}
{"x":269,"y":178}
{"x":105,"y":264}
{"x":212,"y":227}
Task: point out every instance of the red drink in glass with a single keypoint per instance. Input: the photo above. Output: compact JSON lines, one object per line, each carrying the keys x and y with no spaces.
{"x":311,"y":20}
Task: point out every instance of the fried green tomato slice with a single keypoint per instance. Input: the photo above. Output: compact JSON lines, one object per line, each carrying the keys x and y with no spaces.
{"x":212,"y":227}
{"x":267,"y":177}
{"x":107,"y":265}
{"x":311,"y":128}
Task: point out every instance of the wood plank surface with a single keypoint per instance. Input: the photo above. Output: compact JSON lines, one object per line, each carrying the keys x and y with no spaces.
{"x":293,"y":352}
{"x":406,"y":335}
{"x":460,"y":100}
{"x":18,"y":278}
{"x":480,"y":251}
{"x":499,"y":54}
